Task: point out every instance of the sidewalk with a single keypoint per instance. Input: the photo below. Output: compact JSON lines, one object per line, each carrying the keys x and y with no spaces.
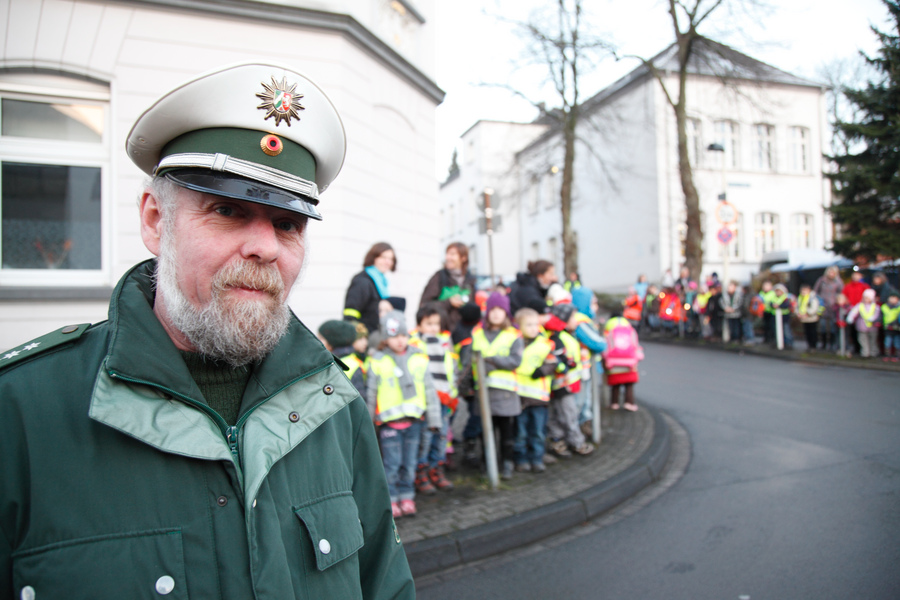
{"x":800,"y":352}
{"x":473,"y":522}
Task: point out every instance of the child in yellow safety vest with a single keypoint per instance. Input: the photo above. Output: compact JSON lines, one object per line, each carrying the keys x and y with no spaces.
{"x":442,"y":362}
{"x":562,"y":422}
{"x":339,"y":338}
{"x":533,"y":378}
{"x":501,"y":346}
{"x":866,"y":317}
{"x":400,"y":392}
{"x":890,"y":315}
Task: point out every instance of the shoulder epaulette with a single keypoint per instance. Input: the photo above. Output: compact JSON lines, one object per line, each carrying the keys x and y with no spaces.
{"x":63,"y":335}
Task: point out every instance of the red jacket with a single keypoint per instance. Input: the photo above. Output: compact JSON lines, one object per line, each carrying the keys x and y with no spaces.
{"x":854,"y":291}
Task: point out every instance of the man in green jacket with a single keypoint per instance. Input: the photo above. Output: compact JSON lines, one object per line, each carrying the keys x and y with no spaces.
{"x":202,"y":443}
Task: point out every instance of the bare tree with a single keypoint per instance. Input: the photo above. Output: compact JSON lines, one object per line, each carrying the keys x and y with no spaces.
{"x":565,"y":46}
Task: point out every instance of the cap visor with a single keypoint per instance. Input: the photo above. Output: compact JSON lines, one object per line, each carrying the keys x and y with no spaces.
{"x":241,"y":188}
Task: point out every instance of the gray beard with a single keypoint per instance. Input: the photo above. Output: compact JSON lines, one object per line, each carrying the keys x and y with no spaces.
{"x":238,"y":332}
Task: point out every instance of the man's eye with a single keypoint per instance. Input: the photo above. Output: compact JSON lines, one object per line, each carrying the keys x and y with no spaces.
{"x":225,"y":211}
{"x":289,"y":226}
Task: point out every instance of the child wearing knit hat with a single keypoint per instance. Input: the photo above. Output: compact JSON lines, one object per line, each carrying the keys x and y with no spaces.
{"x":501,"y":347}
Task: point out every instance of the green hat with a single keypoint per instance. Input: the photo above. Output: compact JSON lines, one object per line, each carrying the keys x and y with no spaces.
{"x":338,"y":333}
{"x":257,"y":132}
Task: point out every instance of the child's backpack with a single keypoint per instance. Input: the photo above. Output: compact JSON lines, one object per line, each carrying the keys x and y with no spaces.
{"x":757,"y":306}
{"x":621,"y":342}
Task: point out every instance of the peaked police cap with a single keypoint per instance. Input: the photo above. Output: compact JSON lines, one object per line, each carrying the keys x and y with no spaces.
{"x":258,"y":132}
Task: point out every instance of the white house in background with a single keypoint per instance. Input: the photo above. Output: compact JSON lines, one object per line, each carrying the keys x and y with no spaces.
{"x":486,"y":161}
{"x":628,"y":206}
{"x":74,"y":76}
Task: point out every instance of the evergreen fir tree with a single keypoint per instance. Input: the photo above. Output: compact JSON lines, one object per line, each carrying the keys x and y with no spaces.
{"x":867,"y":180}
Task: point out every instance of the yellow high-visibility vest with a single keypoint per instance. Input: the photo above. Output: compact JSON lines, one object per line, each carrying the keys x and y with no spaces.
{"x":498,"y":379}
{"x":532,"y":358}
{"x":390,"y":404}
{"x":573,"y":353}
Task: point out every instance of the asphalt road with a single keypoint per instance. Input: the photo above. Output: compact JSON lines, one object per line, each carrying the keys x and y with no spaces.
{"x":792,"y":492}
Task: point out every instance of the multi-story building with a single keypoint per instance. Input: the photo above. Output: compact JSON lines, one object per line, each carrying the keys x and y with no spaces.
{"x":74,"y":76}
{"x":767,"y":130}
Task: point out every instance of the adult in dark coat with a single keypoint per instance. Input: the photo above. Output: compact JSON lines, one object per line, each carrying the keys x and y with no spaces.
{"x":452,"y":286}
{"x":530,"y":287}
{"x":369,"y":287}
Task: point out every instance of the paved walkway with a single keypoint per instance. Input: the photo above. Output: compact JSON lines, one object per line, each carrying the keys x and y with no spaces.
{"x":472,"y":521}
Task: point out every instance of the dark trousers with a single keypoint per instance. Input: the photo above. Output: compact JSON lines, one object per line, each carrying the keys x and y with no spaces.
{"x":811,"y":331}
{"x":629,"y":393}
{"x":508,"y":429}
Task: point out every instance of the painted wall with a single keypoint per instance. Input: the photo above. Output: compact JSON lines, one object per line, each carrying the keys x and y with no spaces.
{"x":386,"y":190}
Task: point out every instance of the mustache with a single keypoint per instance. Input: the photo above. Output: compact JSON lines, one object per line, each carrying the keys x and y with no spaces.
{"x":250,"y":275}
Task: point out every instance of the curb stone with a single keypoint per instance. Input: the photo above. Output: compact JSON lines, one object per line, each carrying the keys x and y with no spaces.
{"x":481,"y":541}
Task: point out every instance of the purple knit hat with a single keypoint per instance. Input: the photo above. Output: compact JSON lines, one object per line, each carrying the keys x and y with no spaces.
{"x":497,"y":300}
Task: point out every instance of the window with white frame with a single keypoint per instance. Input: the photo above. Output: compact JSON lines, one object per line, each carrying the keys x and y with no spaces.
{"x":53,"y":166}
{"x":763,"y":154}
{"x":734,"y":246}
{"x":550,"y":192}
{"x":728,"y":135}
{"x":694,"y":141}
{"x":553,"y":250}
{"x":766,"y":233}
{"x":802,"y":231}
{"x":534,"y":195}
{"x":798,"y":149}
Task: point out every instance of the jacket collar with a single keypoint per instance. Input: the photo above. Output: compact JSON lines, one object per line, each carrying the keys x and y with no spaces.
{"x":140,"y":349}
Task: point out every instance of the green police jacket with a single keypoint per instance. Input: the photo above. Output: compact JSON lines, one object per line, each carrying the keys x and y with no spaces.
{"x":117,"y":481}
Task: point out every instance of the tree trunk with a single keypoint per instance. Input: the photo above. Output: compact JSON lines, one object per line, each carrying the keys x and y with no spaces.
{"x":693,"y":242}
{"x":570,"y":244}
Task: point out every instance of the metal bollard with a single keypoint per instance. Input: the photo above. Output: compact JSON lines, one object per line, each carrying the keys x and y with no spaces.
{"x":779,"y":330}
{"x":487,"y":424}
{"x":596,"y":399}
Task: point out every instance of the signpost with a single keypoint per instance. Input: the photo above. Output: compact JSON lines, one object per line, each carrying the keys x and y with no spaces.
{"x":727,"y":215}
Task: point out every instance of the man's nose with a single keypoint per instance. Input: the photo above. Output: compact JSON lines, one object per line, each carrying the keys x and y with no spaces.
{"x":261,"y":243}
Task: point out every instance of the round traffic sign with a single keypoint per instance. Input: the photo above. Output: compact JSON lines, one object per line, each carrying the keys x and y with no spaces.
{"x":725,"y":235}
{"x":726,"y":213}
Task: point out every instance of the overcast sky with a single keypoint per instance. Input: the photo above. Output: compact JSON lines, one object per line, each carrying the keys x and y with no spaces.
{"x":798,"y":36}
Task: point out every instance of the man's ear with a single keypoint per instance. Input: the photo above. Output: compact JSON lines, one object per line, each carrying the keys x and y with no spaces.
{"x":151,"y":221}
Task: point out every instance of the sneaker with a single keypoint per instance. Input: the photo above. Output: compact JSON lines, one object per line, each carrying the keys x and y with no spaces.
{"x":437,"y":477}
{"x":395,"y":510}
{"x":560,"y":449}
{"x":423,"y":484}
{"x":538,"y":467}
{"x":584,"y":449}
{"x":632,"y":407}
{"x":549,"y":459}
{"x":523,"y":467}
{"x":408,"y":508}
{"x":507,"y":471}
{"x":614,"y":406}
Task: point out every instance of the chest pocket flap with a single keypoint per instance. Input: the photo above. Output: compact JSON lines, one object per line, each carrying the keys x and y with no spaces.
{"x":334,"y":528}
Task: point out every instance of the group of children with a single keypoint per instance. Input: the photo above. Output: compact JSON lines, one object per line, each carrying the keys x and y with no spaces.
{"x":537,"y":370}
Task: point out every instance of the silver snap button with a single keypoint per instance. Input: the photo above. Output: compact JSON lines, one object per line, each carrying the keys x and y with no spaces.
{"x":294,"y":417}
{"x":328,"y":389}
{"x":27,"y":593}
{"x":68,"y":329}
{"x":324,"y":546}
{"x":165,"y":585}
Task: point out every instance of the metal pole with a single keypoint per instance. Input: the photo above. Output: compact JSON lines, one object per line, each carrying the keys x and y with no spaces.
{"x":596,"y":400}
{"x":779,"y":330}
{"x":487,"y":424}
{"x":488,"y":216}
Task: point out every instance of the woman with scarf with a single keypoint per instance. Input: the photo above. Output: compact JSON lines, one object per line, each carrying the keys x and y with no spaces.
{"x":369,"y":288}
{"x":452,"y":286}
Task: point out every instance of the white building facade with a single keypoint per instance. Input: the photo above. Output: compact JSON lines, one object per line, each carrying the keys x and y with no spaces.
{"x":628,"y":206}
{"x":74,"y":76}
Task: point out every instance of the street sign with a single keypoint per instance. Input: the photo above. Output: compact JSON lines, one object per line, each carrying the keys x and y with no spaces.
{"x":726,"y":213}
{"x":496,"y":223}
{"x":725,"y":235}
